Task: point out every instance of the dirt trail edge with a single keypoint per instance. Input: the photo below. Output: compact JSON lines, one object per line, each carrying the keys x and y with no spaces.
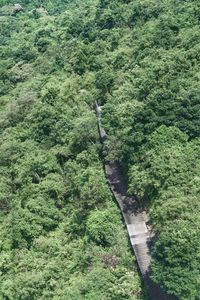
{"x":135,"y":219}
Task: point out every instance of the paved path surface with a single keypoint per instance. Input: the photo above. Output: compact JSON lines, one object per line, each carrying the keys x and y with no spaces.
{"x":135,"y":219}
{"x":133,"y":216}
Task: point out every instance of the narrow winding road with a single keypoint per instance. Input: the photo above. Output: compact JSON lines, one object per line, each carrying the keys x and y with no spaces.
{"x":135,"y":219}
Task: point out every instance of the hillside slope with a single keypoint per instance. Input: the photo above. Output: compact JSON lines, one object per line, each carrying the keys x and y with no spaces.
{"x":140,"y":59}
{"x":61,"y":234}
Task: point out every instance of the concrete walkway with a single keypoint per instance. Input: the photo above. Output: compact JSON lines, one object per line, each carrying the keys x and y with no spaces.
{"x":133,"y":216}
{"x":135,"y":219}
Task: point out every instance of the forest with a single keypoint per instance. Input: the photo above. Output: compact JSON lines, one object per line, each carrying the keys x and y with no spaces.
{"x":61,"y":233}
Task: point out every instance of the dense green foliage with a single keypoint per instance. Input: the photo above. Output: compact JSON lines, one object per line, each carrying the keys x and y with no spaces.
{"x":152,"y":114}
{"x":61,"y":235}
{"x":140,"y":58}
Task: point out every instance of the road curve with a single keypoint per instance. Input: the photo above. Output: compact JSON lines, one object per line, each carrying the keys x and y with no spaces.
{"x":135,"y":219}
